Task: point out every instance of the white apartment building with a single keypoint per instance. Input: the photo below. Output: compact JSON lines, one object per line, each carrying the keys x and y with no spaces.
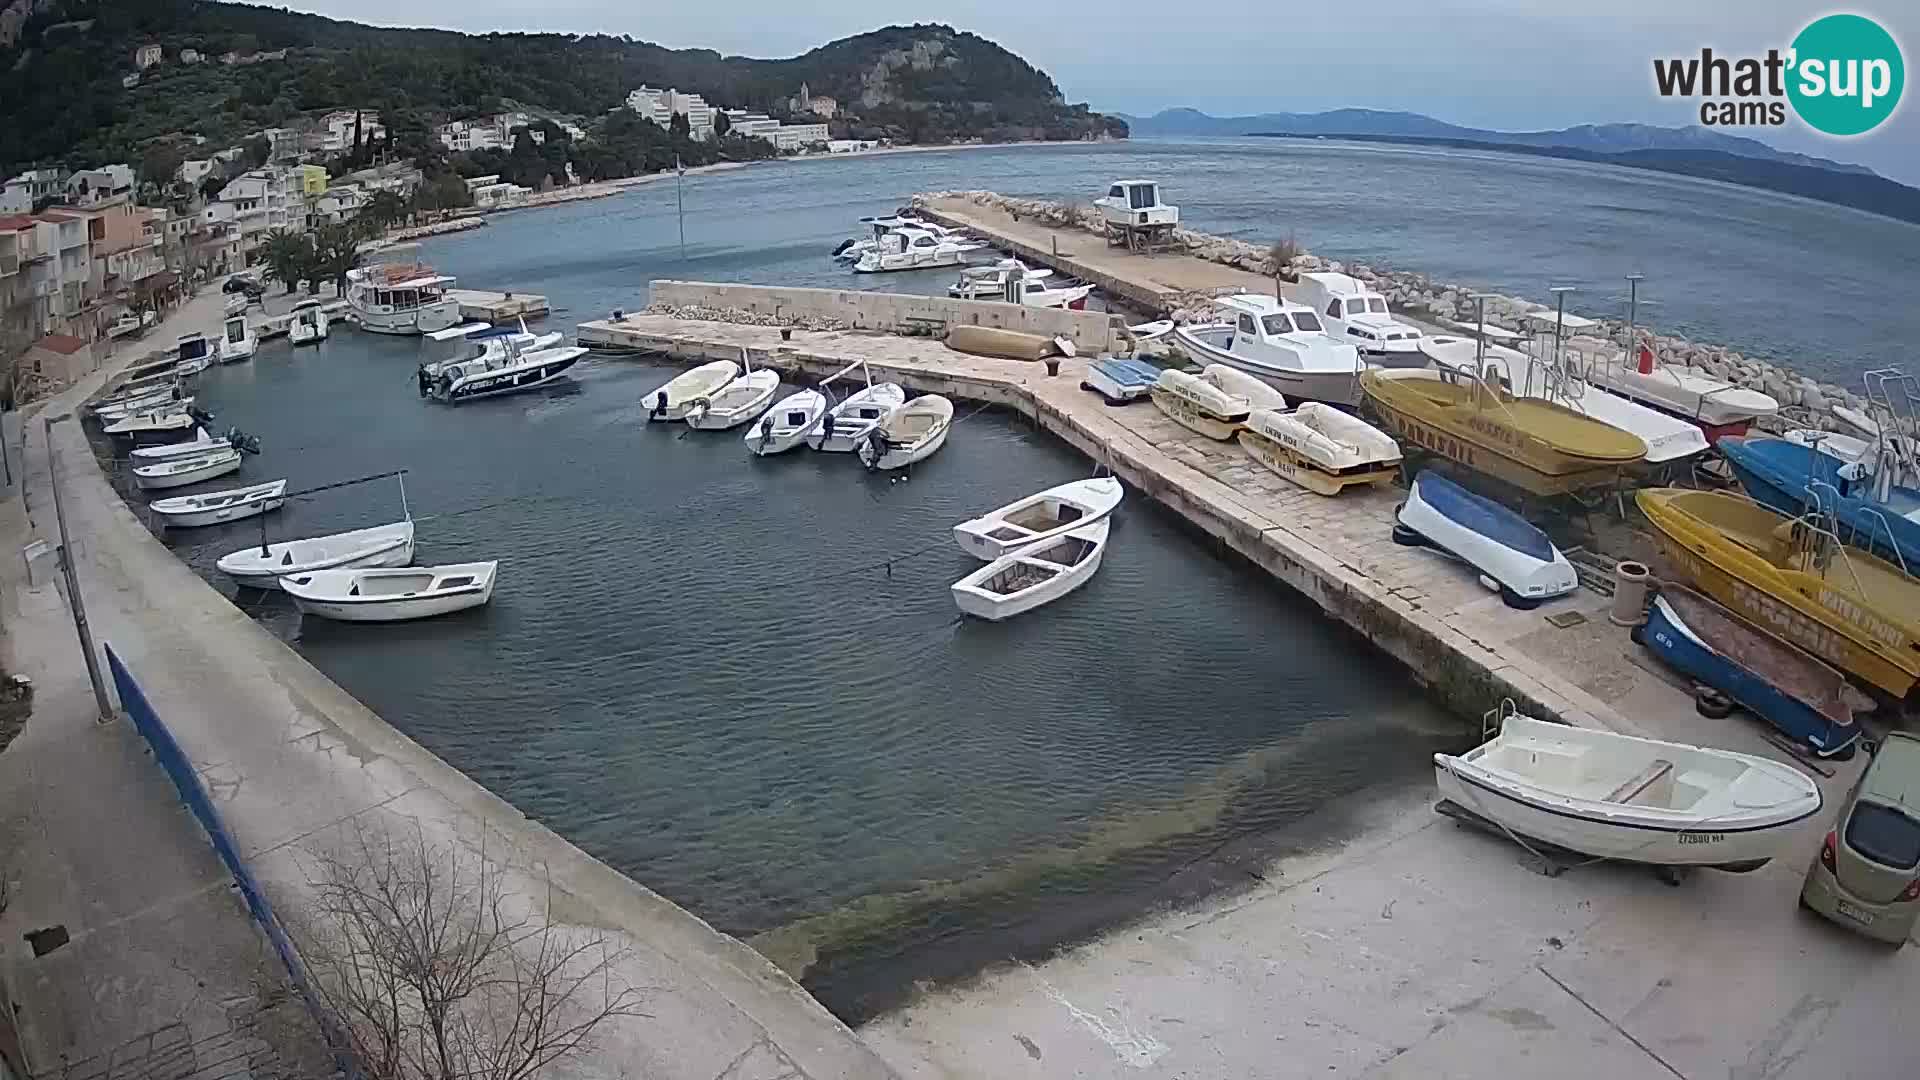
{"x":464,"y":135}
{"x":336,"y":134}
{"x":109,"y":185}
{"x":798,"y":136}
{"x":30,"y":187}
{"x":660,"y":106}
{"x":193,"y":172}
{"x":261,"y":201}
{"x":750,"y":124}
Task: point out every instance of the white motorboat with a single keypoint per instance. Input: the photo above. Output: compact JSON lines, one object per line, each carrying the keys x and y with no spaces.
{"x":1690,"y":394}
{"x":391,"y":594}
{"x":913,"y":248}
{"x":1200,"y":405}
{"x":990,"y":282}
{"x":1320,"y":448}
{"x":1120,"y":379}
{"x":671,"y":399}
{"x":848,"y":423}
{"x":508,"y":372}
{"x":237,"y":304}
{"x":1051,"y":513}
{"x":1612,"y":796}
{"x":1668,"y":438}
{"x":187,"y":469}
{"x":491,"y":342}
{"x":163,"y":425}
{"x":852,"y":250}
{"x":401,"y":298}
{"x":237,"y":340}
{"x":909,"y":434}
{"x":262,"y":567}
{"x":1507,"y":550}
{"x":736,"y":403}
{"x":193,"y":349}
{"x":788,"y":423}
{"x":1357,"y":314}
{"x":1134,"y":204}
{"x":217,"y":507}
{"x":200,"y":443}
{"x":1281,"y":342}
{"x":152,"y":399}
{"x":1033,"y":575}
{"x":309,"y":323}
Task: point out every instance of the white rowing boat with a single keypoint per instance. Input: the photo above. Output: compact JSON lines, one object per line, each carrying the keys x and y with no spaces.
{"x":787,"y":424}
{"x":736,"y":403}
{"x":847,"y":424}
{"x":1033,"y":575}
{"x":391,"y":595}
{"x":909,"y":434}
{"x":671,"y":399}
{"x":217,"y":507}
{"x":189,"y":469}
{"x":262,"y":567}
{"x":1036,"y":518}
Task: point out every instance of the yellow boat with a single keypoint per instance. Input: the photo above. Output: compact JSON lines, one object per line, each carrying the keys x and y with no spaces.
{"x":1535,"y":445}
{"x":1789,"y":576}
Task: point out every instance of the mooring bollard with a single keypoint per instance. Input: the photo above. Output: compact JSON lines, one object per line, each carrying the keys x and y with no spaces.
{"x":1053,"y":366}
{"x":786,"y":333}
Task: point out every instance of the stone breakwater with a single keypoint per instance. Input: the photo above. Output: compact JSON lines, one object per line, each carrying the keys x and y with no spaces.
{"x":1805,"y":402}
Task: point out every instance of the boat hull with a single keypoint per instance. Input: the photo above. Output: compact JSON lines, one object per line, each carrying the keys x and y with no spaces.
{"x":381,"y":611}
{"x":787,"y":425}
{"x":973,"y":598}
{"x":997,"y":534}
{"x":239,"y":511}
{"x":425,"y":319}
{"x":1488,"y":537}
{"x":899,"y":457}
{"x":1332,"y":387}
{"x":397,"y":553}
{"x":513,"y":381}
{"x":1194,"y":418}
{"x":1304,"y":471}
{"x":151,"y":481}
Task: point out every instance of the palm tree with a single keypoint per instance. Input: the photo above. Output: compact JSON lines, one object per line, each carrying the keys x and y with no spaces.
{"x":289,"y":257}
{"x":336,"y":250}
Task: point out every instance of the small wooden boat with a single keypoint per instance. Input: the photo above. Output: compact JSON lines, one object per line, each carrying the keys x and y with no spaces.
{"x":847,"y":424}
{"x":391,"y":595}
{"x":1120,"y":379}
{"x":1538,"y":446}
{"x":910,"y":433}
{"x":671,"y":399}
{"x":738,"y":402}
{"x":788,"y":423}
{"x":1033,"y":575}
{"x":184,"y":470}
{"x":262,"y":567}
{"x":1199,"y":404}
{"x":1802,"y":697}
{"x":1320,"y":448}
{"x":1508,"y":551}
{"x":1615,"y":796}
{"x":216,"y":507}
{"x":1053,"y":512}
{"x":1793,"y":579}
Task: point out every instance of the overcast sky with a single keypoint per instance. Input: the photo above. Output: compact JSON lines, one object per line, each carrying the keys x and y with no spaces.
{"x":1505,"y":64}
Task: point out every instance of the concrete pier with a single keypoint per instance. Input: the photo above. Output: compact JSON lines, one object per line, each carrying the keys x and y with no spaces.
{"x":499,"y":307}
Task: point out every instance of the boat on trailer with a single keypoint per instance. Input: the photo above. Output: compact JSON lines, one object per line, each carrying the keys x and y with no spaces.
{"x":397,"y":594}
{"x":1508,"y":551}
{"x":1200,"y":405}
{"x":909,"y":434}
{"x":1033,"y":575}
{"x":1281,"y":342}
{"x":187,"y":469}
{"x":671,"y":399}
{"x":261,"y":566}
{"x":1320,"y":448}
{"x":1040,"y":517}
{"x":219,"y":507}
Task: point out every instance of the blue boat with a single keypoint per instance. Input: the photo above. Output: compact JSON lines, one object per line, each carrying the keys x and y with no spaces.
{"x":1796,"y":479}
{"x":1801,"y":697}
{"x":1120,"y":379}
{"x":1485,"y":535}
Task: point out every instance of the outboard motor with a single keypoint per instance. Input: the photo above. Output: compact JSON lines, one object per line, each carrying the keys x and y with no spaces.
{"x":844,"y":245}
{"x":199,"y":416}
{"x":659,"y":410}
{"x":425,"y":381}
{"x":826,"y":427}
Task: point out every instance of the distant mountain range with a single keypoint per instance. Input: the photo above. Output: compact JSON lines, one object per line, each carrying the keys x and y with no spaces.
{"x":1591,"y":138}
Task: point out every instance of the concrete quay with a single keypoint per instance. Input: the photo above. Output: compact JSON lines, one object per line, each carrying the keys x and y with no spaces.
{"x":499,"y":307}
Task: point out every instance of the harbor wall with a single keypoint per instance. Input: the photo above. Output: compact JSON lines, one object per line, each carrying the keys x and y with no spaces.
{"x":893,"y":313}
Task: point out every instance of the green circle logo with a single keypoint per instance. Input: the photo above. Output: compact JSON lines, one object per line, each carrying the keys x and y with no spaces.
{"x":1847,"y":74}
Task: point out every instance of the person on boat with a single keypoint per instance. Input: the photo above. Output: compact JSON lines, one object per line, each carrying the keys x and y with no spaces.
{"x":425,"y":380}
{"x":826,"y":428}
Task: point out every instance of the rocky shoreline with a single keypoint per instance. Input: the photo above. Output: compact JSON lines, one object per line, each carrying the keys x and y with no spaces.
{"x":1805,"y":402}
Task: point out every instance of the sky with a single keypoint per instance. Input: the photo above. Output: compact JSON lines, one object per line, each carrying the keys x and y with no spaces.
{"x":1504,"y":64}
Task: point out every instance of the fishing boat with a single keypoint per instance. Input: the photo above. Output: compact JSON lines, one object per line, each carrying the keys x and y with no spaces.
{"x":396,"y":594}
{"x":913,"y":248}
{"x":218,"y":507}
{"x":194,"y":354}
{"x":199,"y":443}
{"x":1199,"y":404}
{"x":1508,"y":551}
{"x":1719,"y":407}
{"x":1036,"y":518}
{"x":261,"y":566}
{"x":1793,"y":578}
{"x":237,"y":341}
{"x":507,"y":372}
{"x":1033,"y":575}
{"x":1540,"y":447}
{"x":909,"y":434}
{"x":1803,"y":698}
{"x":990,"y":282}
{"x":186,"y":469}
{"x":1120,"y":379}
{"x":1320,"y":448}
{"x":309,"y":323}
{"x":848,"y":423}
{"x":671,"y":399}
{"x":160,"y":426}
{"x":158,"y":398}
{"x":788,"y":423}
{"x":401,"y":298}
{"x":1612,"y":796}
{"x":1869,"y":509}
{"x":1281,"y":342}
{"x":1357,"y":313}
{"x":737,"y":402}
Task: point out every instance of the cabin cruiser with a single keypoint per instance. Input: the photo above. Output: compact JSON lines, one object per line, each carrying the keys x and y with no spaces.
{"x":1281,"y":342}
{"x":1133,"y":204}
{"x":195,"y":354}
{"x":489,"y":343}
{"x":850,"y":250}
{"x":1017,"y":284}
{"x":990,"y":282}
{"x":1358,"y":315}
{"x":237,"y":341}
{"x":401,"y":298}
{"x":913,"y":249}
{"x":308,"y":326}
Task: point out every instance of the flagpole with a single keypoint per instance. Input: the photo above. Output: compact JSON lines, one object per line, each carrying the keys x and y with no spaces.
{"x":680,"y":202}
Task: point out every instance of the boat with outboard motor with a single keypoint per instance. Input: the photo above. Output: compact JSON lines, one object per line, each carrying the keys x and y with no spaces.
{"x":788,"y":423}
{"x":848,"y":423}
{"x":1320,"y":448}
{"x":671,"y":399}
{"x":262,"y":565}
{"x":507,"y":371}
{"x":1510,"y":554}
{"x":735,"y":403}
{"x":1281,"y":342}
{"x":186,"y":469}
{"x":913,"y":248}
{"x":909,"y":434}
{"x":851,"y":249}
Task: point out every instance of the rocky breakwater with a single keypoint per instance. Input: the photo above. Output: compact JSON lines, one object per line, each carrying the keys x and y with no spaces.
{"x":1449,"y":306}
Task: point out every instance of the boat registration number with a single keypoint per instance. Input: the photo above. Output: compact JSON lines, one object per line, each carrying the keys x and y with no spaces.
{"x":1864,"y":918}
{"x":1702,"y":837}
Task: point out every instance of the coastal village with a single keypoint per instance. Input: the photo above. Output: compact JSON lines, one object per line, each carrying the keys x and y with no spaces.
{"x":1665,"y":595}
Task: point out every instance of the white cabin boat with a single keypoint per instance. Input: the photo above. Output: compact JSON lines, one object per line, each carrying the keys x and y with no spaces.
{"x":1200,"y":405}
{"x":1033,"y":575}
{"x":1051,"y":513}
{"x":507,"y":372}
{"x":217,"y":507}
{"x":851,"y":250}
{"x":788,"y":423}
{"x":195,"y":354}
{"x":909,"y":434}
{"x":309,"y":323}
{"x":913,"y":248}
{"x":671,"y":399}
{"x":262,"y":567}
{"x":1614,"y":796}
{"x":990,"y":282}
{"x":848,"y":423}
{"x":391,"y":594}
{"x":736,"y":403}
{"x":401,"y":298}
{"x":1134,"y":204}
{"x":237,"y":340}
{"x":1281,"y":342}
{"x":1357,"y":314}
{"x":1684,"y":392}
{"x":186,"y":469}
{"x":1320,"y":448}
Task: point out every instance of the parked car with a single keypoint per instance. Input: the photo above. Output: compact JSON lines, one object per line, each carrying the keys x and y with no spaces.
{"x":1867,"y":874}
{"x":241,"y":283}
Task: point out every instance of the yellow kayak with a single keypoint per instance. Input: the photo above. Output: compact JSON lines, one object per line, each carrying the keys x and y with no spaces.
{"x":1852,"y":609}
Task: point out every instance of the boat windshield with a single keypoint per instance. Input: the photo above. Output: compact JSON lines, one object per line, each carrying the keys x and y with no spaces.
{"x":1276,"y":324}
{"x":1309,"y":322}
{"x":1377,"y":305}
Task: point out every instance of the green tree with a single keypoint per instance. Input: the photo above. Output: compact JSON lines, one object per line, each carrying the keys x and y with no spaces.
{"x":679,"y":127}
{"x":159,"y":162}
{"x":336,"y":250}
{"x":384,"y":209}
{"x":289,"y":258}
{"x":259,"y":149}
{"x":721,"y":123}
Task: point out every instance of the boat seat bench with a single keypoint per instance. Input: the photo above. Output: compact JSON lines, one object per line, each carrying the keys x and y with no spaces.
{"x":1646,"y":778}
